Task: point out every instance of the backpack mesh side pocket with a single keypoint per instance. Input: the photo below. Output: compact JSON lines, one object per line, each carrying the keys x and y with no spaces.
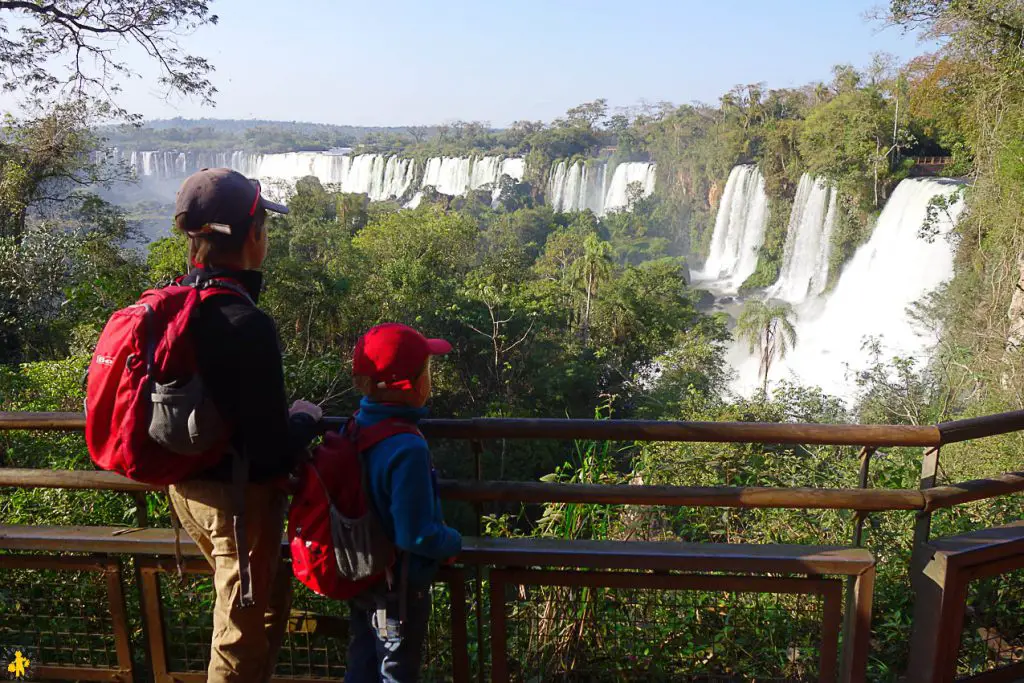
{"x":184,"y":420}
{"x":361,"y":548}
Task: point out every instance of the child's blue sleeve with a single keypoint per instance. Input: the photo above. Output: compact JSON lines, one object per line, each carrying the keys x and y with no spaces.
{"x":414,"y":507}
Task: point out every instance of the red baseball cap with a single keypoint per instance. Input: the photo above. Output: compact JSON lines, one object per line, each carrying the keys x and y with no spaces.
{"x":393,"y":355}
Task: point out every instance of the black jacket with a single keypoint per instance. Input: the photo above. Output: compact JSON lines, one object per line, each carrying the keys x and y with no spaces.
{"x":239,"y":358}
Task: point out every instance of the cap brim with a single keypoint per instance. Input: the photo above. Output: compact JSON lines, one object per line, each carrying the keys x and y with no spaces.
{"x":272,"y":206}
{"x":438,"y":347}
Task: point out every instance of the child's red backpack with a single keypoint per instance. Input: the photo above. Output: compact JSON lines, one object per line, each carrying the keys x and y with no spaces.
{"x":147,"y":415}
{"x":338,"y":545}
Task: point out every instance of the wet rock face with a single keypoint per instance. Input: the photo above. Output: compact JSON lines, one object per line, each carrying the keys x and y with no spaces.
{"x":714,"y":195}
{"x":1012,"y":357}
{"x":1015,"y":313}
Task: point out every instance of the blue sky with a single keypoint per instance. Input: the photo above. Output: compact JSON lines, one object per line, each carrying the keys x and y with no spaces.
{"x":394,"y":62}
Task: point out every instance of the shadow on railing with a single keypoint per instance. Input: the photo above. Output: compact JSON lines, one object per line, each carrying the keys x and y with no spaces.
{"x":531,"y":609}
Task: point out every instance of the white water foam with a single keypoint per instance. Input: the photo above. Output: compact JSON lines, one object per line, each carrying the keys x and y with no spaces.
{"x":804,"y":271}
{"x":886,"y":276}
{"x":738,"y":233}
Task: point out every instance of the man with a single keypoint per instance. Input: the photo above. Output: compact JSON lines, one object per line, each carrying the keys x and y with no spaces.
{"x":223,"y":214}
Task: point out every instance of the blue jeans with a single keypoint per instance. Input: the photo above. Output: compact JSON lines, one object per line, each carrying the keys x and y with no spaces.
{"x":392,"y":657}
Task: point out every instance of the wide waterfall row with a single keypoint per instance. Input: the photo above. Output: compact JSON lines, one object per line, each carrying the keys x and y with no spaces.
{"x":739,"y":230}
{"x":381,"y":177}
{"x":378,"y":176}
{"x":586,"y":185}
{"x":804,"y":271}
{"x":572,"y":187}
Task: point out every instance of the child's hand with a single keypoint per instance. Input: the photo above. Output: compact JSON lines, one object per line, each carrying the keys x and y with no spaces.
{"x":311,"y":409}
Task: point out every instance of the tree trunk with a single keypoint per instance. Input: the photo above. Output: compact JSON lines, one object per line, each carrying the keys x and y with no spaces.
{"x":586,"y":319}
{"x":766,"y":358}
{"x":877,"y":152}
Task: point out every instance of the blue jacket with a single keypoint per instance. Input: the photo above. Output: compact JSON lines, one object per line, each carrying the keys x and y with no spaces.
{"x":403,"y":487}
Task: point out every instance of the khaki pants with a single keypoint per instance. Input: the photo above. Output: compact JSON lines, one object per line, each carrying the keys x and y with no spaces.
{"x":245,"y":640}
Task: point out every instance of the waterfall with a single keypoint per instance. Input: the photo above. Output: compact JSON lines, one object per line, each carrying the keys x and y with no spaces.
{"x":626,"y":174}
{"x":585,"y":185}
{"x":739,"y":230}
{"x":892,"y":271}
{"x":804,"y":271}
{"x":456,"y":176}
{"x":573,"y":187}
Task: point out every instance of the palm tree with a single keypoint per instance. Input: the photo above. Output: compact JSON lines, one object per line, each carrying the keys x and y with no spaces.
{"x":592,"y":268}
{"x":767,"y":328}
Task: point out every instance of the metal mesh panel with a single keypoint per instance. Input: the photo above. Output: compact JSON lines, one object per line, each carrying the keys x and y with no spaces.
{"x":58,"y":617}
{"x":993,"y":635}
{"x":610,"y":634}
{"x":317,"y":639}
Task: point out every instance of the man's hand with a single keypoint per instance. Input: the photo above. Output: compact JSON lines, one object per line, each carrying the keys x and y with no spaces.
{"x":311,"y":409}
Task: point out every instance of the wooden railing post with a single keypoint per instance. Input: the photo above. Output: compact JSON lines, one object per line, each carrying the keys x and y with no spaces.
{"x":478,"y":451}
{"x":850,"y":617}
{"x":926,"y":626}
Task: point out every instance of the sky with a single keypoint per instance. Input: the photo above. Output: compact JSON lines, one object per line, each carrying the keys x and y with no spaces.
{"x":417,"y":62}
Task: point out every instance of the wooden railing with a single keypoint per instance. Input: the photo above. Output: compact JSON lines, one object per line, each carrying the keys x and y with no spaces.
{"x":863,"y":501}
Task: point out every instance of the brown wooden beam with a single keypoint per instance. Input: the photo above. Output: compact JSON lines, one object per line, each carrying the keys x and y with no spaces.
{"x":602,"y":430}
{"x":980,"y":427}
{"x":542,"y":492}
{"x":667,"y":556}
{"x":650,"y":430}
{"x":70,"y":479}
{"x":866,"y":500}
{"x":976,"y":489}
{"x":690,"y":496}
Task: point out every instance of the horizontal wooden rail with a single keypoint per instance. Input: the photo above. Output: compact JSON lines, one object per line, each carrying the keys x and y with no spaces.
{"x":970,"y":491}
{"x":35,"y":478}
{"x":651,"y":430}
{"x":980,"y":427}
{"x":602,"y":430}
{"x":865,"y":500}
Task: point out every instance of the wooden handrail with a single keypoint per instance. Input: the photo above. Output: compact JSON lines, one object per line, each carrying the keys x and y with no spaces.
{"x":924,"y":436}
{"x":864,"y":500}
{"x":604,"y":430}
{"x":980,"y":427}
{"x":970,"y":491}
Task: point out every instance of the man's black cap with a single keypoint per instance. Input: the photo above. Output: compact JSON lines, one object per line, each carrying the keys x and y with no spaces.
{"x":221,"y":200}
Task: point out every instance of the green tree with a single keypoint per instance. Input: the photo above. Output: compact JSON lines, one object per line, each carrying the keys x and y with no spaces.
{"x":849,"y":140}
{"x":65,"y":47}
{"x":767,"y":329}
{"x":593,"y":268}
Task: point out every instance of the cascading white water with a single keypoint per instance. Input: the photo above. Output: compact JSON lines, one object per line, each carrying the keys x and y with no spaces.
{"x":625,"y":175}
{"x":804,"y":271}
{"x":573,"y":187}
{"x":586,"y":185}
{"x":739,"y":230}
{"x":888,"y":274}
{"x":456,"y":176}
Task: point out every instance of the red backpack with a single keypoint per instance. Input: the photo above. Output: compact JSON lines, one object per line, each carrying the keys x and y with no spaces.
{"x":147,"y":415}
{"x":338,"y":545}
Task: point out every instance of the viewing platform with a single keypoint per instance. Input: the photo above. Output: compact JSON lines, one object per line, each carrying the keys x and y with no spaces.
{"x":103,"y":602}
{"x":929,"y":166}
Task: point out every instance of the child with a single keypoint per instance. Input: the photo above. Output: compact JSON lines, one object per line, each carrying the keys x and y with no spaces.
{"x":391,"y":367}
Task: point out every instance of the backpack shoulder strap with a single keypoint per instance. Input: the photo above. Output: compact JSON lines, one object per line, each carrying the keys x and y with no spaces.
{"x":369,"y":436}
{"x":208,"y":288}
